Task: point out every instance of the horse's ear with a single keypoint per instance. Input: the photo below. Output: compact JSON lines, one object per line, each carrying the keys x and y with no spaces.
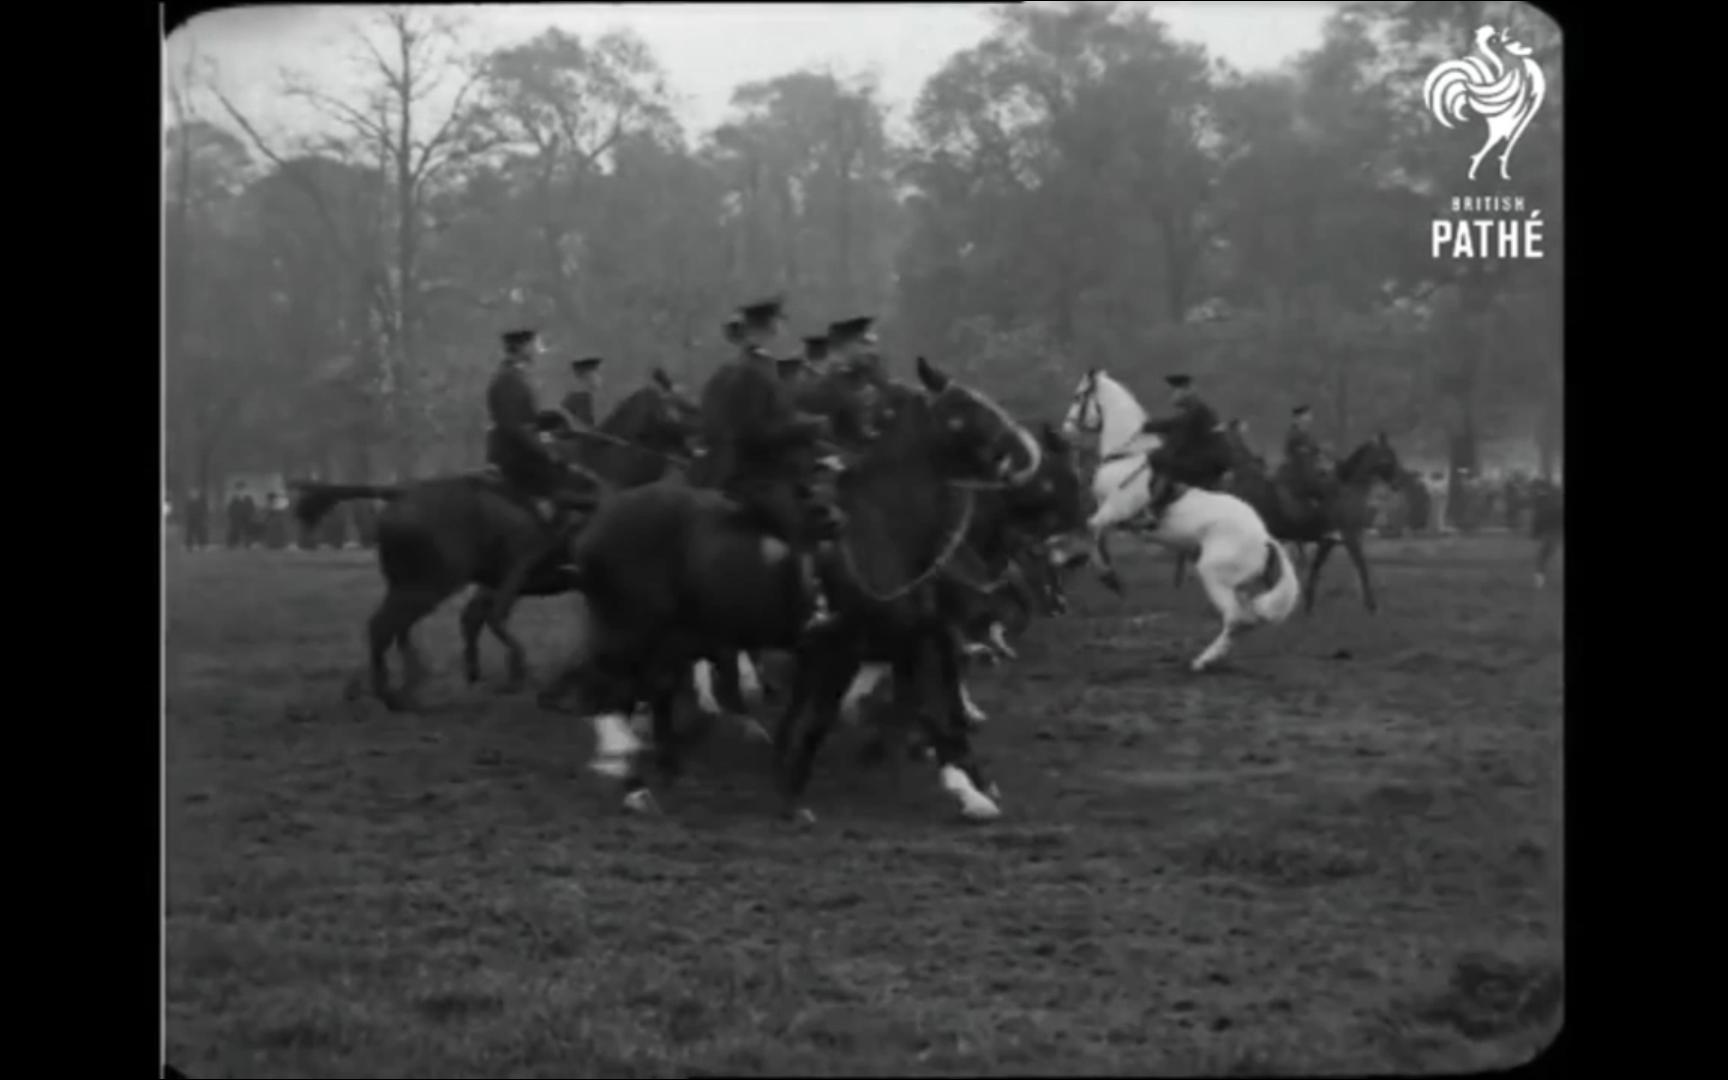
{"x":661,"y":379}
{"x":933,"y":380}
{"x":1383,"y":440}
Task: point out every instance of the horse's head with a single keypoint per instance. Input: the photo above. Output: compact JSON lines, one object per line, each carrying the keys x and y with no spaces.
{"x":1085,"y":416}
{"x":1053,"y":501}
{"x":848,"y":395}
{"x":975,"y":435}
{"x":659,"y":416}
{"x":1373,"y":461}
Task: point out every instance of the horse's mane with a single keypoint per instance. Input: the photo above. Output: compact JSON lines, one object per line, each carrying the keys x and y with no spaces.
{"x":1348,"y":468}
{"x":626,"y":416}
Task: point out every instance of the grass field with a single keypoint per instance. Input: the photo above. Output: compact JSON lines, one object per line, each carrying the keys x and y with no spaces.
{"x":1340,"y":855}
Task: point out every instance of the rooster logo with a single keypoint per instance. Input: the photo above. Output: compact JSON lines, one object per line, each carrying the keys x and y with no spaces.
{"x":1504,"y":91}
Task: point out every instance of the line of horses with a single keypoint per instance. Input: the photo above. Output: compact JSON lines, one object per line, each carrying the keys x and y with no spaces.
{"x":954,"y":522}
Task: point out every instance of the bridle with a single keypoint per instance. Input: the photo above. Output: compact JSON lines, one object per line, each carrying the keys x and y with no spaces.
{"x":1089,"y":415}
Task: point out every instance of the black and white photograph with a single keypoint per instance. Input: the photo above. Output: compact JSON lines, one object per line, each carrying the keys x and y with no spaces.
{"x":924,"y":539}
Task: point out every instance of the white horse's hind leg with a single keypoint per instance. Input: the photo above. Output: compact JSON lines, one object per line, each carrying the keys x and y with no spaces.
{"x":614,"y":745}
{"x":749,"y":682}
{"x":1229,"y":607}
{"x":974,"y":715}
{"x":705,"y":700}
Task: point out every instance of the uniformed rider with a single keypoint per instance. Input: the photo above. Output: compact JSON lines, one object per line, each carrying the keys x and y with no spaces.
{"x":1193,"y":450}
{"x":852,"y":344}
{"x":579,"y":402}
{"x":762,"y":446}
{"x":792,"y":370}
{"x":1304,"y":457}
{"x":513,"y":443}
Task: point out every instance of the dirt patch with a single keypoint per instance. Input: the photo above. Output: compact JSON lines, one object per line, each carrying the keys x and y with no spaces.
{"x":1298,"y":866}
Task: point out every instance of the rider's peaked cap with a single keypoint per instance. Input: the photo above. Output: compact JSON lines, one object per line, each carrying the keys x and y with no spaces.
{"x":1180,"y":382}
{"x":516,"y":339}
{"x":850,"y":330}
{"x":1301,"y":410}
{"x":587,"y":363}
{"x":762,"y":314}
{"x":816,"y":346}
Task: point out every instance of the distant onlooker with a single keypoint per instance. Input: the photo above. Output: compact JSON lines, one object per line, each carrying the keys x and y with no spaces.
{"x":275,"y":521}
{"x":194,"y":522}
{"x":1438,"y":498}
{"x":242,"y":518}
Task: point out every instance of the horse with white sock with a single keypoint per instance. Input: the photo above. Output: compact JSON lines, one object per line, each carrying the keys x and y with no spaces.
{"x":1247,"y":574}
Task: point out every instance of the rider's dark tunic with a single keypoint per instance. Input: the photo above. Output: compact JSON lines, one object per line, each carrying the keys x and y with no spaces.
{"x":758,"y":439}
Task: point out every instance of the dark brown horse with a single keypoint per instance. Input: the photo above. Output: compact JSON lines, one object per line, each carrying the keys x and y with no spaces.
{"x":438,"y":535}
{"x":1342,"y":519}
{"x":1547,"y":502}
{"x":676,"y":574}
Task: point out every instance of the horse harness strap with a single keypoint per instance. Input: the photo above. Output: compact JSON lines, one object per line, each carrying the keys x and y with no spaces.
{"x":1134,"y":473}
{"x":955,"y":538}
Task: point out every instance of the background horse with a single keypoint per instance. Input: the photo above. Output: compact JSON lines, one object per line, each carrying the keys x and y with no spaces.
{"x":1246,"y":573}
{"x":1547,"y":524}
{"x":1342,"y":518}
{"x":438,"y":535}
{"x":676,"y":574}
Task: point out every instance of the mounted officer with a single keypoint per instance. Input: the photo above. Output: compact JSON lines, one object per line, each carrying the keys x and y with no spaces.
{"x":579,"y":402}
{"x":513,"y":443}
{"x":1236,"y":433}
{"x":761,"y":445}
{"x":816,"y":354}
{"x":1305,"y":460}
{"x":792,"y":370}
{"x":852,"y":345}
{"x":1194,"y":450}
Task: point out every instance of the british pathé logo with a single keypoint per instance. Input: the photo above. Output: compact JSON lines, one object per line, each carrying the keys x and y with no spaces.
{"x":1501,"y":84}
{"x":1505,"y":91}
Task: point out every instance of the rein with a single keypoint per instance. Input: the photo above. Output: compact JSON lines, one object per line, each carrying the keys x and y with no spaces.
{"x":583,"y":431}
{"x":956,"y":537}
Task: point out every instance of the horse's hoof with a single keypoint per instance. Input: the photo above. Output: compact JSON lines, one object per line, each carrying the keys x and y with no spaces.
{"x":985,"y":810}
{"x":397,"y":703}
{"x":611,"y":765}
{"x":641,"y":801}
{"x":753,"y":730}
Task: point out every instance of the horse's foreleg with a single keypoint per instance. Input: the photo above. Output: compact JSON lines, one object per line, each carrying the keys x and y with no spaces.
{"x":1358,"y":557}
{"x":472,"y":622}
{"x":1103,"y":564}
{"x":1180,"y":573}
{"x":497,"y":614}
{"x":946,"y":728}
{"x":821,"y":680}
{"x":390,"y":625}
{"x":1322,"y":550}
{"x":1544,"y":554}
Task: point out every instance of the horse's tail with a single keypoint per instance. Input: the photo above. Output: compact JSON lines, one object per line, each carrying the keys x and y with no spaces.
{"x":1278,"y":601}
{"x":313,"y":500}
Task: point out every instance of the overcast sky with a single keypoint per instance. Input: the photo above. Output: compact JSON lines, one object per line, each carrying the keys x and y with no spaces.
{"x":706,"y":49}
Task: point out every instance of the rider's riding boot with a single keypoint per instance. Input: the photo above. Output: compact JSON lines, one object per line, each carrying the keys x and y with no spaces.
{"x":1159,"y":492}
{"x":821,"y":613}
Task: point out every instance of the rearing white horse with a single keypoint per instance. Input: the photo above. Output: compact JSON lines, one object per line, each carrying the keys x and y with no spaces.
{"x":1247,"y":574}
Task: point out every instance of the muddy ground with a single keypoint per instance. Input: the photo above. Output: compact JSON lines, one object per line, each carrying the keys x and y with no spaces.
{"x":1340,"y":855}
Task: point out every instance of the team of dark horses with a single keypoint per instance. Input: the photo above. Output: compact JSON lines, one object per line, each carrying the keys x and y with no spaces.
{"x":943,"y":507}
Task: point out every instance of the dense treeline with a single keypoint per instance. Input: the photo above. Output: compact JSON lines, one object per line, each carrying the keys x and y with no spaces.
{"x":1079,"y":188}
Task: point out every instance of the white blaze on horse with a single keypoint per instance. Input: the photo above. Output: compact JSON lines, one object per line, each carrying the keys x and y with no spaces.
{"x":1246,"y":573}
